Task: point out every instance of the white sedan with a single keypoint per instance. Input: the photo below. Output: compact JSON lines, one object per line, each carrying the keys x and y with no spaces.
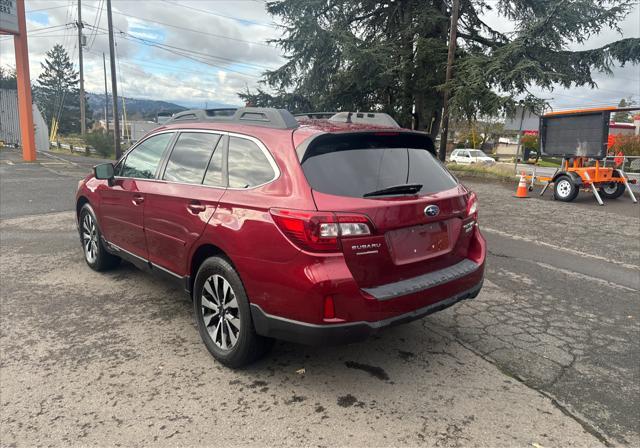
{"x":464,"y":155}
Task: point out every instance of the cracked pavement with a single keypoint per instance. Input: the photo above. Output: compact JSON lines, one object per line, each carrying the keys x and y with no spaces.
{"x":547,"y":354}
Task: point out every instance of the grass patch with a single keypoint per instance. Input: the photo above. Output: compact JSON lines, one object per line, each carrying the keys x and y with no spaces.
{"x":550,"y":163}
{"x":495,"y":172}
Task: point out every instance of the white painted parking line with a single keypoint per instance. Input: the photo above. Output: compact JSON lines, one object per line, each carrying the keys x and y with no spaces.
{"x":561,"y":248}
{"x":600,"y":281}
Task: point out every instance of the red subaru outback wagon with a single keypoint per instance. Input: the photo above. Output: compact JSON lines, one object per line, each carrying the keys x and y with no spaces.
{"x":318,"y":231}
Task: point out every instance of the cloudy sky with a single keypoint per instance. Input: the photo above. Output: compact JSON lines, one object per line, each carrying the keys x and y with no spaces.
{"x":201,"y":52}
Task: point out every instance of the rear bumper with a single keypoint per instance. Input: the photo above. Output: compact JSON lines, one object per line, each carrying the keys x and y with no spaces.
{"x":343,"y":333}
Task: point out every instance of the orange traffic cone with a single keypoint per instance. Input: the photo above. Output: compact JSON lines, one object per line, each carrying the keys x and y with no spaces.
{"x":521,"y":192}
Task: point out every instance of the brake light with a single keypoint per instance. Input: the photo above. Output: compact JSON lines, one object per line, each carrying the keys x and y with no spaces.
{"x":472,"y":206}
{"x":319,"y":231}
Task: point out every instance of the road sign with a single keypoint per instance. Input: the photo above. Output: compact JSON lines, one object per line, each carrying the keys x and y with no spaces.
{"x":522,"y":120}
{"x":9,"y":17}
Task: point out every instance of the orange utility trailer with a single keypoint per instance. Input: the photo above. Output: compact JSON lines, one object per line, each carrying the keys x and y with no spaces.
{"x":580,"y":138}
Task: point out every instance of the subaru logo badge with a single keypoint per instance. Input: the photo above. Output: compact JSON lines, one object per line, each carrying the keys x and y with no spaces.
{"x":431,"y":210}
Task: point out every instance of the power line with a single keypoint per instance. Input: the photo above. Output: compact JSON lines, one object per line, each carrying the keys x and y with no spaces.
{"x":202,"y":54}
{"x":46,"y":9}
{"x":193,"y":55}
{"x":239,"y":19}
{"x":186,"y":55}
{"x":190,"y":29}
{"x":146,"y":62}
{"x":37,"y":31}
{"x":96,"y":23}
{"x":134,"y":68}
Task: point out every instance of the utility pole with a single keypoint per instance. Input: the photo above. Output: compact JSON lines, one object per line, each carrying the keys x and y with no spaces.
{"x":83,"y":122}
{"x":442,"y":154}
{"x":106,"y":94}
{"x":114,"y":84}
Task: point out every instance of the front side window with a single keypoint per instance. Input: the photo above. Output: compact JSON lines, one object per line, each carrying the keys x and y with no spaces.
{"x":190,"y":156}
{"x":142,"y":162}
{"x":248,"y":166}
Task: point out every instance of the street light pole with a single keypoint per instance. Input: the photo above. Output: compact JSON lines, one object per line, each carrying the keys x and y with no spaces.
{"x":83,"y":122}
{"x":114,"y":84}
{"x":106,"y":95}
{"x":442,"y":153}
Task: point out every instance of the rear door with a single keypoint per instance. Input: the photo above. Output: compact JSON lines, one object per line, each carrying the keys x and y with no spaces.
{"x":414,"y":233}
{"x":122,"y":204}
{"x":181,"y":202}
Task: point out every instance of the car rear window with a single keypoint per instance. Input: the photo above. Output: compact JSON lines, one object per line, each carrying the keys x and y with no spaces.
{"x":356,"y":164}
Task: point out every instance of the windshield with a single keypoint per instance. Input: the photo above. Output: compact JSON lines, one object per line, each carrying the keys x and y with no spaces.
{"x":356,"y":165}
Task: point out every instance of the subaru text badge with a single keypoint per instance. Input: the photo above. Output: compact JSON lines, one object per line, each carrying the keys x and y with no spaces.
{"x":431,"y":210}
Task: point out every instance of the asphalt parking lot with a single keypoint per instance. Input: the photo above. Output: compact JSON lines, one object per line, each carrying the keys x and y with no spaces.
{"x":547,"y":355}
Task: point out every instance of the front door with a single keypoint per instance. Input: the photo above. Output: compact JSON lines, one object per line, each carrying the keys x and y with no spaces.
{"x":122,"y":204}
{"x":179,"y":205}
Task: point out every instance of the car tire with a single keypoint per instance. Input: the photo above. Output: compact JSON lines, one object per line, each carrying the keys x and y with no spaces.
{"x":228,"y":333}
{"x":564,"y":189}
{"x":95,"y":254}
{"x":611,"y":190}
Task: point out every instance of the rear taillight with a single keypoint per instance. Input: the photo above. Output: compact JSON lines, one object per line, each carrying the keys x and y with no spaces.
{"x":319,"y":231}
{"x":472,"y":206}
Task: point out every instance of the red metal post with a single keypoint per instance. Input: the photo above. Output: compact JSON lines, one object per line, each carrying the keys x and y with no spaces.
{"x":25,"y":104}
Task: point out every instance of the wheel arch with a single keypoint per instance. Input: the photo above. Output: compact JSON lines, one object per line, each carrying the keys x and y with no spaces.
{"x":204,"y":251}
{"x":577,"y":180}
{"x":82,"y":200}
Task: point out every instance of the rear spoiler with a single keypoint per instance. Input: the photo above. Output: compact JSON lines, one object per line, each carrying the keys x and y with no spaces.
{"x":325,"y":142}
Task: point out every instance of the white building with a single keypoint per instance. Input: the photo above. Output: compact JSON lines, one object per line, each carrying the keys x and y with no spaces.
{"x":10,"y":122}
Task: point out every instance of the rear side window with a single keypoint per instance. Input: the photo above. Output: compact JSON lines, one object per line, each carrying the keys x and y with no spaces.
{"x":142,"y":162}
{"x":190,"y":156}
{"x":248,"y":165}
{"x":356,"y":164}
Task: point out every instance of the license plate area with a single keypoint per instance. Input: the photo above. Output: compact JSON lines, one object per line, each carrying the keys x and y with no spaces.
{"x":417,"y":243}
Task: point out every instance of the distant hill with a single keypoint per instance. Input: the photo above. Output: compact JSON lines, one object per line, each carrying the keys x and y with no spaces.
{"x":137,"y":109}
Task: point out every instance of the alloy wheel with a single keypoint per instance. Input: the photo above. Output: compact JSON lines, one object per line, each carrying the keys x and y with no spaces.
{"x":220,"y":312}
{"x":89,"y":238}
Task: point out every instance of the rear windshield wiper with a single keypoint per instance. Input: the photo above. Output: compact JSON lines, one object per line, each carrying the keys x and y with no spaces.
{"x":395,"y":189}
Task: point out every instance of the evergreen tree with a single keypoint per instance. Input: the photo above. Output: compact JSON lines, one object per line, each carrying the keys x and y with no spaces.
{"x":8,"y":79}
{"x":56,"y":91}
{"x":621,"y":116}
{"x":390,"y":55}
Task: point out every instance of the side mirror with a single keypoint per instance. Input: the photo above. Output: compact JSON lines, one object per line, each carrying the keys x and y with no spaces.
{"x":104,"y":171}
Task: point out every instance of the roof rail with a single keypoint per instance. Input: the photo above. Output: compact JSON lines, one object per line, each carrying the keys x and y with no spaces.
{"x":375,"y":118}
{"x":315,"y":115}
{"x":267,"y":117}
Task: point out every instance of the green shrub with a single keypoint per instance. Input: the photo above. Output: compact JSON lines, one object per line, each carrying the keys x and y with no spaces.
{"x":628,"y":144}
{"x":101,"y":142}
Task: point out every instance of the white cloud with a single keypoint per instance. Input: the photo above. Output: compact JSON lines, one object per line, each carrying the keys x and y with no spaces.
{"x":231,"y":38}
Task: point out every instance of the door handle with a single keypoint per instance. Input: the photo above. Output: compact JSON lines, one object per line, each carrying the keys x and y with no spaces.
{"x":138,"y":199}
{"x":196,"y":207}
